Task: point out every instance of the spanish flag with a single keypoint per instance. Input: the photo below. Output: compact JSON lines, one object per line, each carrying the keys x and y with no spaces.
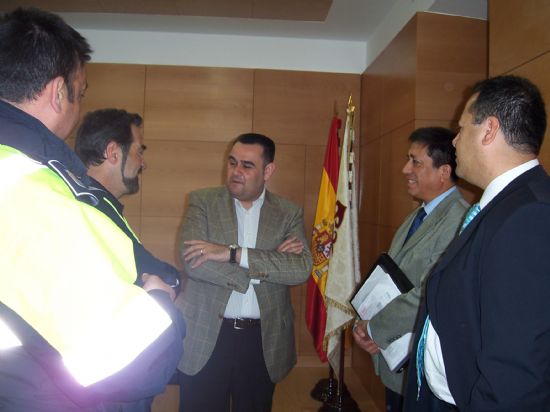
{"x":321,"y":243}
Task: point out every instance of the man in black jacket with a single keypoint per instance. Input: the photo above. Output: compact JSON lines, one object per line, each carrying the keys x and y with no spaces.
{"x":69,"y":339}
{"x":484,"y":338}
{"x":110,"y":144}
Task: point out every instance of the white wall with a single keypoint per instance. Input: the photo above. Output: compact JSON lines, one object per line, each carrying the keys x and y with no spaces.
{"x":188,"y":49}
{"x":244,"y":51}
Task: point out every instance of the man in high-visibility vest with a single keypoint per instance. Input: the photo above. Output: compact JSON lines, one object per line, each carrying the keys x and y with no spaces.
{"x":76,"y":334}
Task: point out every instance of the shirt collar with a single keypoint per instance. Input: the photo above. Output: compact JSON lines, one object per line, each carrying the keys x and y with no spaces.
{"x":256,"y":203}
{"x":500,"y":182}
{"x":431,"y":205}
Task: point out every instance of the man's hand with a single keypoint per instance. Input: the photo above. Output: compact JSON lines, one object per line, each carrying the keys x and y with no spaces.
{"x":151,"y":282}
{"x":201,"y":251}
{"x":291,"y":245}
{"x":363,"y":339}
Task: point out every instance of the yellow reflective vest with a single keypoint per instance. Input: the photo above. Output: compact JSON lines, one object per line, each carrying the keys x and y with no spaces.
{"x":68,"y":271}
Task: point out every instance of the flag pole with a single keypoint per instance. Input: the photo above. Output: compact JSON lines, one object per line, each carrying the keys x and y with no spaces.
{"x":343,"y":401}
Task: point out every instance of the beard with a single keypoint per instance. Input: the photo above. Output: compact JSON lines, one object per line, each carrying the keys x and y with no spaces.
{"x":130,"y":183}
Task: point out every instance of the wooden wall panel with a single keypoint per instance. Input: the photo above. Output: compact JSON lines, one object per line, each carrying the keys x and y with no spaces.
{"x":288,"y":180}
{"x":395,"y":202}
{"x":198,"y":103}
{"x":121,"y":86}
{"x":369,"y":210}
{"x":538,"y":72}
{"x":297,"y":107}
{"x":397,"y":67}
{"x":372,"y":87}
{"x":160,"y":236}
{"x":451,"y":44}
{"x":441,"y":95}
{"x":177,"y":168}
{"x":518,"y":33}
{"x":370,"y":171}
{"x":448,"y":63}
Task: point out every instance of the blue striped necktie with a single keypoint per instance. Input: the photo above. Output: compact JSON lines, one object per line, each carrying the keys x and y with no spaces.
{"x":474,"y":210}
{"x":472,"y":213}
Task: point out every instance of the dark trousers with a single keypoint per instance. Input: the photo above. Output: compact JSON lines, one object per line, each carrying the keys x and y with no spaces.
{"x":234,"y":378}
{"x":394,"y":401}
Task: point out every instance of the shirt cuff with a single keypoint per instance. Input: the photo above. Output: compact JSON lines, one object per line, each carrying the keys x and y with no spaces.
{"x":244,"y":258}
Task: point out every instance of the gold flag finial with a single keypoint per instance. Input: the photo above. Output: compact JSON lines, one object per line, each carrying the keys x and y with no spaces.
{"x":351,"y":107}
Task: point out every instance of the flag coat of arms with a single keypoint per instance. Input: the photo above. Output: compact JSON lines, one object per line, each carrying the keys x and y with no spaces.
{"x":321,"y":243}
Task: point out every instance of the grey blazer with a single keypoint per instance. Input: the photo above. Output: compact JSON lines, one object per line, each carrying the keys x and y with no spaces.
{"x":416,"y":258}
{"x":211,"y":216}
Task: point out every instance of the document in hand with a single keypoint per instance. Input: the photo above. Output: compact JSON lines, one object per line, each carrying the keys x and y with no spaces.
{"x":383,"y":284}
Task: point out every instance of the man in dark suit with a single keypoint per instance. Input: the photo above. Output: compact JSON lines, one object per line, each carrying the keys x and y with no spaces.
{"x":485,"y":342}
{"x":241,"y":247}
{"x":416,"y":247}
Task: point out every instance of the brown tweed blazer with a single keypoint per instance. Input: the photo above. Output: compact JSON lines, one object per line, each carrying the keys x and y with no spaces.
{"x":211,"y":216}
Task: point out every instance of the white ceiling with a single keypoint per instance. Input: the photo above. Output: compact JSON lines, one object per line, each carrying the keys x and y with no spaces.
{"x":157,"y":31}
{"x":347,"y":20}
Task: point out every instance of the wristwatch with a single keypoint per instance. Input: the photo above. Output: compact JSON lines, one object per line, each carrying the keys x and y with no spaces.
{"x":233,"y":253}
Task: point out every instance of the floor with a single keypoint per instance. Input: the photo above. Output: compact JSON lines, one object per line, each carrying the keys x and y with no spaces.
{"x":291,"y":395}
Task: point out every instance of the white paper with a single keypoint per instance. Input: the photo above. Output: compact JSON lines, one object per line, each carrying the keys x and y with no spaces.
{"x":377,"y":291}
{"x":396,"y":353}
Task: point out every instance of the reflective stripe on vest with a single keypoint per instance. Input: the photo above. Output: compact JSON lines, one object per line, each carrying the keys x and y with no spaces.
{"x":68,"y":271}
{"x":8,"y":339}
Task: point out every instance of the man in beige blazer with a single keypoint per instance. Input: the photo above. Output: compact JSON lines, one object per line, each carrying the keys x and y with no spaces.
{"x":431,"y":178}
{"x":241,"y":247}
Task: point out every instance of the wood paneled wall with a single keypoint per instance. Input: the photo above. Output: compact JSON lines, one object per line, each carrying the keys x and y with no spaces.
{"x":519,"y":43}
{"x":421,"y":79}
{"x":190,"y":116}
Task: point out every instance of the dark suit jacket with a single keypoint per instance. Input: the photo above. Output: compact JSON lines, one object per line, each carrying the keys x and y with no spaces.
{"x":488,"y":302}
{"x":211,"y":216}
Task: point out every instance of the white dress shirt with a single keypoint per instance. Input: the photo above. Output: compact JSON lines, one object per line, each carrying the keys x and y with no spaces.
{"x":434,"y":366}
{"x":245,"y":305}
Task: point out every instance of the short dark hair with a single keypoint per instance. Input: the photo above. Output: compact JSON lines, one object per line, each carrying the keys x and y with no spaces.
{"x":439,"y":146}
{"x":518,"y":106}
{"x":264,"y":141}
{"x":36,"y":47}
{"x":101,"y":127}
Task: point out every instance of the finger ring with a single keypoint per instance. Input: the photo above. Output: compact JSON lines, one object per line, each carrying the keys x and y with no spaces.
{"x":202,"y":252}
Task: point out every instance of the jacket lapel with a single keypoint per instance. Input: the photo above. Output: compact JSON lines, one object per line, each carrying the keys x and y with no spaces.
{"x":464,"y":237}
{"x":269,"y":224}
{"x":225,"y":208}
{"x":429,"y":221}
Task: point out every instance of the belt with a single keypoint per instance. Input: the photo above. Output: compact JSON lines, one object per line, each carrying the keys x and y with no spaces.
{"x":241,"y":323}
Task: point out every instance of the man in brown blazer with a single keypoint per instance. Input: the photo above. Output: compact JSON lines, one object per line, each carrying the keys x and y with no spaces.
{"x":241,"y":247}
